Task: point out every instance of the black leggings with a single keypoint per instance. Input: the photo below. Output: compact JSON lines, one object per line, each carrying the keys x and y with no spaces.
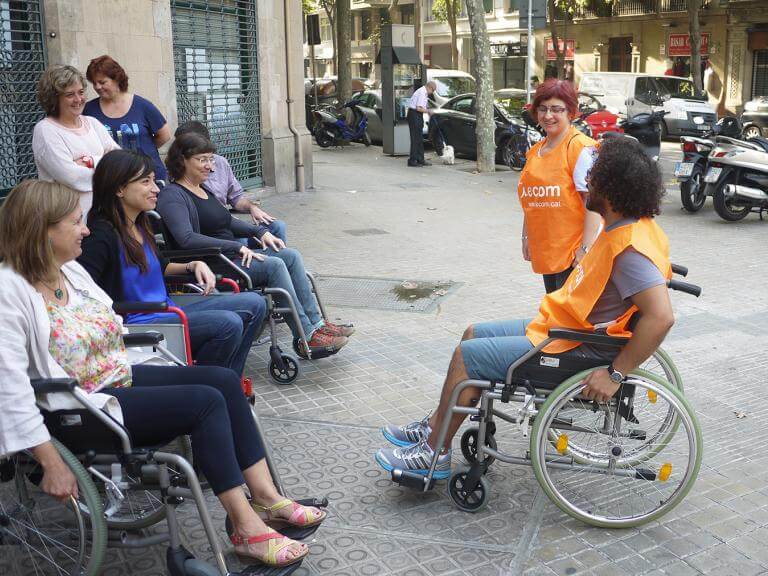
{"x":205,"y":402}
{"x":555,"y":281}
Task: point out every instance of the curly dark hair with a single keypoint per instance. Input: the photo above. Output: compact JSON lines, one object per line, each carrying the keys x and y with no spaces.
{"x":625,"y":176}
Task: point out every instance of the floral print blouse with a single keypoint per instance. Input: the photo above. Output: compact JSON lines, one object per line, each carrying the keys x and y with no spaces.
{"x":86,"y":340}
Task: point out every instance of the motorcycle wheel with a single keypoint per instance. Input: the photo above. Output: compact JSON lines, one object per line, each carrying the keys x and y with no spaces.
{"x":751,"y":132}
{"x":724,"y":206}
{"x":692,"y":191}
{"x":324,"y":140}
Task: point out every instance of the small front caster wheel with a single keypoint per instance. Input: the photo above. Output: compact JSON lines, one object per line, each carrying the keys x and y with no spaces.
{"x":284,"y":374}
{"x":465,"y":498}
{"x":469,"y":446}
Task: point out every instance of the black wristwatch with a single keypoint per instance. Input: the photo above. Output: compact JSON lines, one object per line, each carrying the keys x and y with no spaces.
{"x":615,"y":375}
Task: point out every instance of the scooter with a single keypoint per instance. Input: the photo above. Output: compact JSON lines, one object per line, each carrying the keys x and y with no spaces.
{"x":645,"y":128}
{"x":696,"y":150}
{"x":331,"y":128}
{"x":738,"y":173}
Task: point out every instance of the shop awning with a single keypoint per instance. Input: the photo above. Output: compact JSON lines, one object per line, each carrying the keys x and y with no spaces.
{"x":402,"y":55}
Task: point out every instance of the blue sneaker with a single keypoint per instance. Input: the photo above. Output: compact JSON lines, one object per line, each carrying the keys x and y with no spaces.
{"x":409,"y":434}
{"x":416,"y":458}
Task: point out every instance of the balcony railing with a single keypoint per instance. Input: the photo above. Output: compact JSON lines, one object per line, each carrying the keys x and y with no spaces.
{"x":603,"y":9}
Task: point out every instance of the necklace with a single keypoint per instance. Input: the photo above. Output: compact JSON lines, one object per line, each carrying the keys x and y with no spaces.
{"x":58,"y":293}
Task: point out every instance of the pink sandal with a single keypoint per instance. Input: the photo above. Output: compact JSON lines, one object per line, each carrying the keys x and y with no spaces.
{"x":302,"y":516}
{"x":276,"y":553}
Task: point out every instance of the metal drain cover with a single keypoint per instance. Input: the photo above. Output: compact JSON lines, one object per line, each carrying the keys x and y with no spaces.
{"x":383,"y":293}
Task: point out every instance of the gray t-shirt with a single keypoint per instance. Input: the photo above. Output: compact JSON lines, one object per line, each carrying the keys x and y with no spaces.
{"x":632,"y":273}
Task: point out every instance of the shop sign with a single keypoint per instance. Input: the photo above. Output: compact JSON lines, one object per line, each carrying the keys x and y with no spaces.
{"x":680,"y":44}
{"x":507,"y":50}
{"x":568,"y":53}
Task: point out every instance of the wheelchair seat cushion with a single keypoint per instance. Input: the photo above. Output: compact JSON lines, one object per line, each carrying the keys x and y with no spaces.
{"x":548,"y":371}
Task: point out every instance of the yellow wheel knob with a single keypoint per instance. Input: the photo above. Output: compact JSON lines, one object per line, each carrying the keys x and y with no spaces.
{"x":665,"y":471}
{"x":652,"y":396}
{"x":562,"y":443}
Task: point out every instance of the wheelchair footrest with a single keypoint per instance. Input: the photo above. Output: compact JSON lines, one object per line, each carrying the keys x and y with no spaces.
{"x":261,"y":570}
{"x":411,"y":479}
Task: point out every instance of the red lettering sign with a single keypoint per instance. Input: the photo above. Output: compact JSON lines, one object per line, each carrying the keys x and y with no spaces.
{"x":680,"y":44}
{"x":568,"y":53}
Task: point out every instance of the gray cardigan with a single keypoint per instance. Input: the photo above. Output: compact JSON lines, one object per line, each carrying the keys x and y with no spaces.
{"x":175,"y":205}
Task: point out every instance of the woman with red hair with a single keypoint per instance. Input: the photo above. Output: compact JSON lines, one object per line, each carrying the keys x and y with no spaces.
{"x":557,"y":228}
{"x":134,"y":122}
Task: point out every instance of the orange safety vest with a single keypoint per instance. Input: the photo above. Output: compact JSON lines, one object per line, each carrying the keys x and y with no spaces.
{"x":554,"y":209}
{"x":570,"y":306}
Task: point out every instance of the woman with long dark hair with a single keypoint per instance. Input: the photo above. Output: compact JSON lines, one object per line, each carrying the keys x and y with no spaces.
{"x":121,"y":255}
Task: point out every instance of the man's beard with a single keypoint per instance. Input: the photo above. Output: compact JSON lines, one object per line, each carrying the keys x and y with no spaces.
{"x":597,"y":204}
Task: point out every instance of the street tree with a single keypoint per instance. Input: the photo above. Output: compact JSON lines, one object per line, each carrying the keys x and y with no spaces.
{"x":329,"y":6}
{"x":485,"y":126}
{"x":694,"y":29}
{"x":566,"y":9}
{"x":344,"y":51}
{"x":449,"y":11}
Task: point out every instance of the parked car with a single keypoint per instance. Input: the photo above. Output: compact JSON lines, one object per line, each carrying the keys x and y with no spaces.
{"x":601,"y":118}
{"x":511,"y":99}
{"x":370,"y":104}
{"x":454,"y":123}
{"x":631,"y":93}
{"x":754,"y":119}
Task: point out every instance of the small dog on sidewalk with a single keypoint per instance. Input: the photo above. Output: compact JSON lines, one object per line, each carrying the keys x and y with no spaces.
{"x":448,"y":157}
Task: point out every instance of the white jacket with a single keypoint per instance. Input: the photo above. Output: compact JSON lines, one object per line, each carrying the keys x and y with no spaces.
{"x":24,"y":339}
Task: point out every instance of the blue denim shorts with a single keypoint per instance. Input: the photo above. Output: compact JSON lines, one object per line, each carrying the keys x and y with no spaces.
{"x":494,"y":347}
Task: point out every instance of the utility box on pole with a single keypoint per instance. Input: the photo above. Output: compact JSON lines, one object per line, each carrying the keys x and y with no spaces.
{"x":400,"y":75}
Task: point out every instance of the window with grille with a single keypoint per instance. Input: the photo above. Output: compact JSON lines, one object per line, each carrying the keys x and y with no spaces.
{"x":760,"y":73}
{"x":217,"y":81}
{"x":22,"y":61}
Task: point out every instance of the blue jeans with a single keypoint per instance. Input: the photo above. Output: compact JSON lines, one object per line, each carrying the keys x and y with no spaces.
{"x":285,"y":269}
{"x":222,"y":328}
{"x":495,"y":346}
{"x":277,"y":229}
{"x":205,"y":402}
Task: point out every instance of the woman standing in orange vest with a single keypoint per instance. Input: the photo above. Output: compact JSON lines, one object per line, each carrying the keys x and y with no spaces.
{"x":558,"y":230}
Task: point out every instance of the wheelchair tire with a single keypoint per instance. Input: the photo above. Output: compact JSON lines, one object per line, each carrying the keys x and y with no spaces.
{"x":44,"y":521}
{"x":286,"y":375}
{"x":616,"y":492}
{"x":468,"y":501}
{"x":469,"y":445}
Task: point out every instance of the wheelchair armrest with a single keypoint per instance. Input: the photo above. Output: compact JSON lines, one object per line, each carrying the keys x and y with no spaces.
{"x":139,"y":339}
{"x":586,"y":337}
{"x":189,"y":255}
{"x":139,"y":307}
{"x":49,"y":385}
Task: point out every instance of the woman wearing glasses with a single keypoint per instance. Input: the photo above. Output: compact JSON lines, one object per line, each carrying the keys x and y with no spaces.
{"x":557,"y":228}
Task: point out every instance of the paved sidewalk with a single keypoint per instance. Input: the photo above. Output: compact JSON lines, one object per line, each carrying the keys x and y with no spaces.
{"x":372,"y":217}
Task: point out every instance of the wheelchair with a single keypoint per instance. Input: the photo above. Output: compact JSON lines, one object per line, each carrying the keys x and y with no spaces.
{"x":283,"y":368}
{"x":122,"y":489}
{"x":618,"y":464}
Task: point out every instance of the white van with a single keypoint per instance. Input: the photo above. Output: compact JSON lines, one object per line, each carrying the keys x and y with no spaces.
{"x":632,"y":94}
{"x":450,"y":83}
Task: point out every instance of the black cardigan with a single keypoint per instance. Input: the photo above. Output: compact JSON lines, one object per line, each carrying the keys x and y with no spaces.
{"x":101,"y":258}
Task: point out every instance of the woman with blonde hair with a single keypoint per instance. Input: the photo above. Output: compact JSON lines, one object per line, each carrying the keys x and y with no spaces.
{"x":67,"y":145}
{"x":58,"y":323}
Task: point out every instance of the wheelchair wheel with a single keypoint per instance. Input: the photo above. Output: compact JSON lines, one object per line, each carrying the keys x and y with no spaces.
{"x":653,"y":429}
{"x":39,"y":534}
{"x":469,"y":445}
{"x":464,"y":498}
{"x":287,"y":373}
{"x":615,"y":488}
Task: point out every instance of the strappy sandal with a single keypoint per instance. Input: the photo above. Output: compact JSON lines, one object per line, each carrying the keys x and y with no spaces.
{"x":302,"y":516}
{"x":276,"y":553}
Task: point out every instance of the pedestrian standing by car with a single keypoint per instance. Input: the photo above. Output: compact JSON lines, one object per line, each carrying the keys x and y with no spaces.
{"x":558,"y":230}
{"x":418,"y":105}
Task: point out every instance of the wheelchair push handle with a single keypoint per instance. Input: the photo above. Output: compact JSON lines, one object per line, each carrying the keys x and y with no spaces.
{"x":680,"y":270}
{"x":686,"y":287}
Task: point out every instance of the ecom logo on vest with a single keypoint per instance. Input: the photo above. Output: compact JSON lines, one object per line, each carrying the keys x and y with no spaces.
{"x":543,"y":196}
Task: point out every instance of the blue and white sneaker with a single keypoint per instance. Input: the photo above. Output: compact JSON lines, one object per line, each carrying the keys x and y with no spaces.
{"x":409,"y":434}
{"x":416,"y":458}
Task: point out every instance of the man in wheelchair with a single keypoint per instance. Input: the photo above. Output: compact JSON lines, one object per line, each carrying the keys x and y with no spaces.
{"x":624,"y":273}
{"x":58,"y":323}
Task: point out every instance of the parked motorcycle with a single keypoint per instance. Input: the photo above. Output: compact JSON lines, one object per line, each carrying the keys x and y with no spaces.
{"x":738,"y":173}
{"x":696,"y":150}
{"x":645,"y":128}
{"x":331,"y":127}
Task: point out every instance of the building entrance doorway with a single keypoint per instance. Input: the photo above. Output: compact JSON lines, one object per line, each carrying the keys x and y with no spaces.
{"x":620,"y":54}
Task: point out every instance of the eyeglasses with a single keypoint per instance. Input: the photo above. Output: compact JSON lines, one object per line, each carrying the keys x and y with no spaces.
{"x":202,"y":160}
{"x":555,"y":110}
